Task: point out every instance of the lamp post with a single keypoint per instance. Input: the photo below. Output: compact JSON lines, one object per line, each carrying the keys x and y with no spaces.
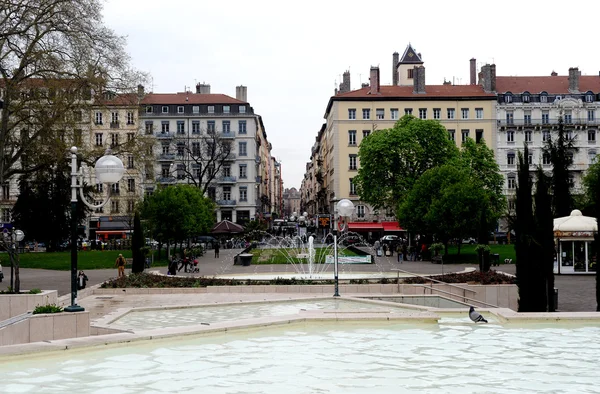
{"x":16,"y":236}
{"x":108,"y":169}
{"x":343,"y":208}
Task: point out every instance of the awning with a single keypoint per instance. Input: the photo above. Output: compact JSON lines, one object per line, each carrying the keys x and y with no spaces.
{"x":112,"y":231}
{"x":364,"y":226}
{"x":391,"y":226}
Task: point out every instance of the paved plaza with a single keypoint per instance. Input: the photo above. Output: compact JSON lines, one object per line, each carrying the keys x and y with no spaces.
{"x":577,"y":293}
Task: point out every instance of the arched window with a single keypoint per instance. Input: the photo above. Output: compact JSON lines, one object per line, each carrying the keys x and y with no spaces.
{"x":589,"y":96}
{"x":544,"y":97}
{"x":526,"y":97}
{"x":508,"y":97}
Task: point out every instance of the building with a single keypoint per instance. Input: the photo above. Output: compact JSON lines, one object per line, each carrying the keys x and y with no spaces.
{"x":291,"y":202}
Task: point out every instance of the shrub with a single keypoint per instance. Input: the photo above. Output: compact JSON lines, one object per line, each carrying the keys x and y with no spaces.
{"x":35,"y":291}
{"x":485,"y":278}
{"x":50,"y":308}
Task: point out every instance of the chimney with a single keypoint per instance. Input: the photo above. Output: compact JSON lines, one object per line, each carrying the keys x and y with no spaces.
{"x":374,"y":80}
{"x":395,"y":61}
{"x":345,"y":85}
{"x":493,"y":77}
{"x":241,"y":93}
{"x":419,"y":79}
{"x":553,"y":73}
{"x":202,"y":88}
{"x":473,"y":70}
{"x":488,"y":78}
{"x":364,"y":85}
{"x":574,"y":80}
{"x":140,"y":91}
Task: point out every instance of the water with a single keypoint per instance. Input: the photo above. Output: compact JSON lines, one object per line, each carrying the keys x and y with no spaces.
{"x":176,"y":317}
{"x":458,"y":357}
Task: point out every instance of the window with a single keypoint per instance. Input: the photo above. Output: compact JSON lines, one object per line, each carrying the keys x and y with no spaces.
{"x":510,"y":159}
{"x":180,"y":127}
{"x":180,"y":109}
{"x":243,"y":193}
{"x":479,"y":113}
{"x":98,"y":139}
{"x":130,"y":206}
{"x":545,"y":135}
{"x":130,"y":118}
{"x":464,"y":113}
{"x":131,"y":185}
{"x":149,"y":127}
{"x":77,"y":116}
{"x":478,"y":135}
{"x":243,"y":171}
{"x":242,"y":127}
{"x":528,"y":135}
{"x":226,"y":193}
{"x":407,"y":111}
{"x":568,"y":117}
{"x":525,"y":97}
{"x":197,"y":171}
{"x":592,"y":156}
{"x":366,"y":112}
{"x":226,"y":109}
{"x":180,"y":148}
{"x":508,"y":98}
{"x":510,"y":136}
{"x":352,"y":187}
{"x":226,"y":126}
{"x":394,"y":113}
{"x":366,"y":133}
{"x":351,"y":137}
{"x":165,"y":171}
{"x":409,"y":73}
{"x":510,"y":117}
{"x":195,"y":149}
{"x":99,"y":188}
{"x":360,"y":209}
{"x":451,"y":135}
{"x":512,"y":182}
{"x":437,"y":113}
{"x":165,"y":148}
{"x":149,"y":109}
{"x":511,"y":205}
{"x":165,"y":109}
{"x":226,"y":171}
{"x":210,"y":126}
{"x":211,"y":109}
{"x":352,"y":114}
{"x":195,"y":127}
{"x":114,"y":206}
{"x":450,"y":113}
{"x":543,"y":97}
{"x":465,"y":135}
{"x":589,"y":97}
{"x":114,"y":140}
{"x":546,"y":159}
{"x":180,"y":171}
{"x":98,"y":117}
{"x":164,"y":126}
{"x":242,"y":149}
{"x":422,"y":113}
{"x":380,"y":113}
{"x":530,"y":158}
{"x":130,"y":162}
{"x":242,"y":109}
{"x":5,"y":191}
{"x":352,"y":162}
{"x":114,"y":188}
{"x":591,"y":115}
{"x":592,"y":136}
{"x":77,"y":137}
{"x":114,"y":117}
{"x":545,"y":117}
{"x":569,"y":134}
{"x":196,"y":109}
{"x":527,"y":118}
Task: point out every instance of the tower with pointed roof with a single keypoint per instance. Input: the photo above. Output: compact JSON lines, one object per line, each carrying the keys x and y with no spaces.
{"x":409,"y":60}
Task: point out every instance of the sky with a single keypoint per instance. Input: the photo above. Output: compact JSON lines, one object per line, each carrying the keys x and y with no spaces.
{"x":291,"y":55}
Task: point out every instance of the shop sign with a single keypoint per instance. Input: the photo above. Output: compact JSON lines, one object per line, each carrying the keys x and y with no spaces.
{"x":564,"y":234}
{"x":324,"y":221}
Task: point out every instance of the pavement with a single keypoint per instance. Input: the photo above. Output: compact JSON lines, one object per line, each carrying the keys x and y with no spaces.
{"x":576,"y":293}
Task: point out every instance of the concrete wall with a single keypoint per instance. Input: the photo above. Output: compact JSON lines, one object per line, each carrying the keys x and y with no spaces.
{"x":12,"y":305}
{"x":46,"y":327}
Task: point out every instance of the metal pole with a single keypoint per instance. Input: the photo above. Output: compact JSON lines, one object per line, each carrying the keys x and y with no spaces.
{"x":12,"y":264}
{"x":335,"y":264}
{"x":74,"y":307}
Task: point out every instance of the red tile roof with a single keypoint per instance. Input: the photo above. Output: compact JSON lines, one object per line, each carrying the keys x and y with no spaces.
{"x":550,"y":84}
{"x":189,"y":98}
{"x":442,"y":91}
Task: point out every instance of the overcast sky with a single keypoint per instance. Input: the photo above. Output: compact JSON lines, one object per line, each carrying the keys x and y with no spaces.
{"x":291,"y":54}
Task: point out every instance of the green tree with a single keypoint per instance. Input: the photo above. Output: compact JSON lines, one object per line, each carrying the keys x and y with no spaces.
{"x":137,"y":243}
{"x":591,"y":183}
{"x":545,"y":242}
{"x":561,"y":151}
{"x":392,"y":160}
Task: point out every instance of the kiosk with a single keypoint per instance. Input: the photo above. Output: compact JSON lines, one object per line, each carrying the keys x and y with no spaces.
{"x":574,"y":238}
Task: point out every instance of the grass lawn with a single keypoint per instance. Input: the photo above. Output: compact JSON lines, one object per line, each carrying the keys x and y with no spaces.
{"x":468,"y":255}
{"x":61,"y":261}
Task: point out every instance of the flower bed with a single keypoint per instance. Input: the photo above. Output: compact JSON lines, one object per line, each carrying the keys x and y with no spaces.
{"x":484,"y":278}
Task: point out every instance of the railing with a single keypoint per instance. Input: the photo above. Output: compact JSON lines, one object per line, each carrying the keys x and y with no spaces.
{"x":164,"y":135}
{"x":227,"y":179}
{"x":226,"y":202}
{"x":166,"y":157}
{"x":227,"y":135}
{"x":543,"y":122}
{"x":230,"y":157}
{"x":169,"y":179}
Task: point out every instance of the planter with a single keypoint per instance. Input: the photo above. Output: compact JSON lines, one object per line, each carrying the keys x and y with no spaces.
{"x":12,"y":305}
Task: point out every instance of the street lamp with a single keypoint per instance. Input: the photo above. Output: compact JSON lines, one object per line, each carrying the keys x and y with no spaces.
{"x":343,"y":208}
{"x":108,"y":169}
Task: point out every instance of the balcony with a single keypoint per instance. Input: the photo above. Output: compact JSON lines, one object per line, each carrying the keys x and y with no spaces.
{"x":114,"y":125}
{"x":166,"y":157}
{"x":226,"y":202}
{"x":226,"y":136}
{"x":166,"y":180}
{"x":259,"y":179}
{"x":230,"y":157}
{"x":164,"y":135}
{"x":226,"y":179}
{"x":544,"y":122}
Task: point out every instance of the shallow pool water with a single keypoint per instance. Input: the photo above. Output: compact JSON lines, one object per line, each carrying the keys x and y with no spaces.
{"x":176,"y":317}
{"x":329,"y":358}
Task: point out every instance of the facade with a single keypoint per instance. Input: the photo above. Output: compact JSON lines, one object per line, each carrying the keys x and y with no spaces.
{"x":291,"y":202}
{"x":467,"y":111}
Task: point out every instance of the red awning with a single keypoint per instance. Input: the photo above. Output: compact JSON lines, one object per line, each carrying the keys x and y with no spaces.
{"x":391,"y":226}
{"x":364,"y":226}
{"x":113,"y":231}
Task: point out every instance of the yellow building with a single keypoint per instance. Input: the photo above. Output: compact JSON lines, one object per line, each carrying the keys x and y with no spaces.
{"x":466,"y":111}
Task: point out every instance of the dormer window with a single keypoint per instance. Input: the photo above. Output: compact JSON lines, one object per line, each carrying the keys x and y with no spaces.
{"x":589,"y":97}
{"x":526,"y":97}
{"x":508,"y":97}
{"x":544,"y":97}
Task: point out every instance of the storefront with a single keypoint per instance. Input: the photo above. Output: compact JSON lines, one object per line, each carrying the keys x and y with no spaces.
{"x":574,"y":237}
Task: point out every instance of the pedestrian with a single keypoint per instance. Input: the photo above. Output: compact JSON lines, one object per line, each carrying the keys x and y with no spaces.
{"x":405,"y":252}
{"x":216,"y":249}
{"x":376,"y":246}
{"x":81,"y":280}
{"x":120,"y":264}
{"x":399,"y":252}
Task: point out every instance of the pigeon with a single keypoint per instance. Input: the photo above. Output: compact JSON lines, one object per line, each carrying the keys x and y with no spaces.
{"x":476,"y":316}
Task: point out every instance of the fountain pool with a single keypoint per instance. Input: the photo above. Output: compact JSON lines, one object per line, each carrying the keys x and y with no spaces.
{"x":329,"y":357}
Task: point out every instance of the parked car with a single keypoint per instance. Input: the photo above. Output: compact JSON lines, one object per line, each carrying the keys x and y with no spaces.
{"x":501,"y":237}
{"x":470,"y":241}
{"x":389,"y":238}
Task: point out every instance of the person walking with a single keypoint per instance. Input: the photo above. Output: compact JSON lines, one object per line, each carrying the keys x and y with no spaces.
{"x":81,"y":280}
{"x":120,"y":264}
{"x":399,"y":252}
{"x":377,"y":246}
{"x":217,"y":249}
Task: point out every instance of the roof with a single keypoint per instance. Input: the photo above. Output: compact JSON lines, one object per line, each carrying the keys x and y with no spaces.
{"x":226,"y":227}
{"x":189,"y":98}
{"x":550,"y":84}
{"x":410,"y":56}
{"x":576,"y":222}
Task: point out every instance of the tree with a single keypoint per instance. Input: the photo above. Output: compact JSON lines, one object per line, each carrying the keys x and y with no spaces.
{"x":391,"y":160}
{"x":57,"y":59}
{"x":137,"y":243}
{"x":544,"y":237}
{"x":561,"y":151}
{"x":591,"y":183}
